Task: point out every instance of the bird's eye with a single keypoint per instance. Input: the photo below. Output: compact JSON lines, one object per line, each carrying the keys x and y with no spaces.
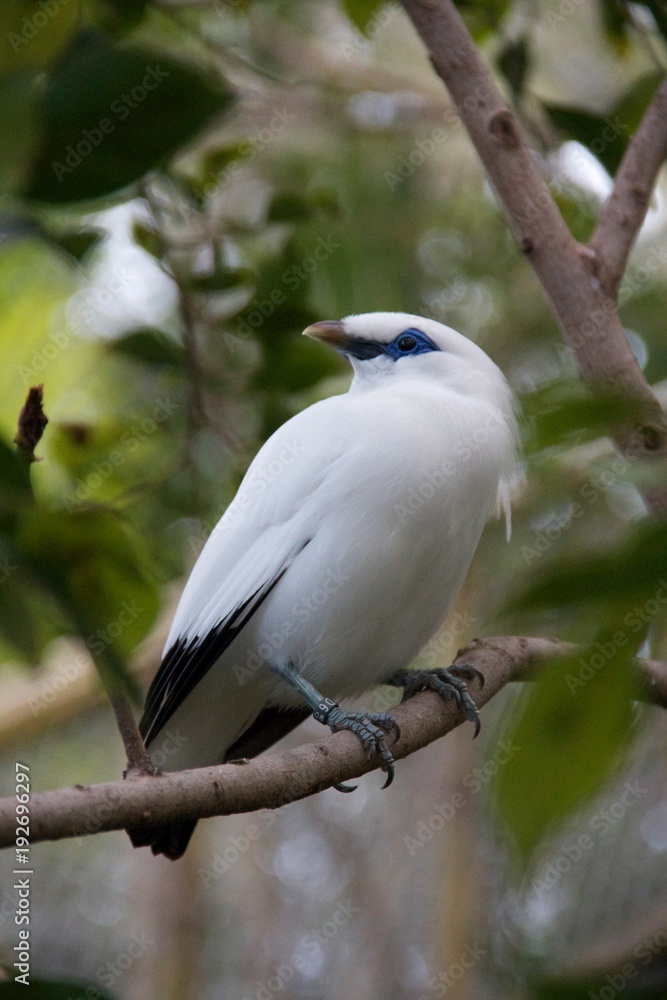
{"x":406,"y":343}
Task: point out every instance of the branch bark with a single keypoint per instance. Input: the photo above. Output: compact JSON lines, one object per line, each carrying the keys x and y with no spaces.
{"x":567,"y":270}
{"x":626,"y":208}
{"x":284,"y":777}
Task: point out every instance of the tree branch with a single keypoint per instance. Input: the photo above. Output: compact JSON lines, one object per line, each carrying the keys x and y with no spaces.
{"x":587,"y":313}
{"x":284,"y":777}
{"x":626,"y":207}
{"x":138,"y":759}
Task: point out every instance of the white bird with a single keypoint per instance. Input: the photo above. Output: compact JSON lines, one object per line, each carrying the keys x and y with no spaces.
{"x":347,"y":542}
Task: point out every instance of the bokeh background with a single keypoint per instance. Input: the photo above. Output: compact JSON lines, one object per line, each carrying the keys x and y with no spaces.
{"x":187,"y":185}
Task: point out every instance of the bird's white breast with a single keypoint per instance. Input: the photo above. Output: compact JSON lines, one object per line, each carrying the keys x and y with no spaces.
{"x":395,"y":523}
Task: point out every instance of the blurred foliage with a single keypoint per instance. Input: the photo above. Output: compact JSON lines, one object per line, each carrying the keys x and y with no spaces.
{"x":567,"y":747}
{"x":186,"y":187}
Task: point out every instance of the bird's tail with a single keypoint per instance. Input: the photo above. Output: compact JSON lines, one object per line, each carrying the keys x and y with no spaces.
{"x":270,"y":726}
{"x":171,"y":840}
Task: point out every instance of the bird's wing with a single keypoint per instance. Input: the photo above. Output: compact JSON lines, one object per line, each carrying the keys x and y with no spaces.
{"x":259,"y":536}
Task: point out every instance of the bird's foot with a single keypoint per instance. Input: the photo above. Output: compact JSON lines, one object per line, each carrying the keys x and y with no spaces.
{"x":444,"y":682}
{"x":370,"y":727}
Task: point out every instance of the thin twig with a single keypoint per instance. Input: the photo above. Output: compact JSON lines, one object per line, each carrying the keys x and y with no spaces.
{"x":138,"y":760}
{"x":626,"y":208}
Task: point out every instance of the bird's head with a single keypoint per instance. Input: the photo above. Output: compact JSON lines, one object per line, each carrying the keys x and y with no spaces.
{"x":386,"y":345}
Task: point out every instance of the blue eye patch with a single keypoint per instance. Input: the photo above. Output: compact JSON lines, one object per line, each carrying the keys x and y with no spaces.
{"x":408,"y":344}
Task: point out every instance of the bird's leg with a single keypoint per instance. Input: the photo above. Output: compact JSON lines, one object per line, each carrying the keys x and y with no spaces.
{"x":445,"y":683}
{"x":370,"y":727}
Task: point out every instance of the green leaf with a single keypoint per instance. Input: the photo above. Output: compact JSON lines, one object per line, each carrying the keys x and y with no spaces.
{"x":295,"y":365}
{"x":34,"y":33}
{"x":631,"y":574}
{"x":43,"y":989}
{"x":78,"y":243}
{"x":482,"y":16}
{"x":573,"y":726}
{"x":222,"y":280}
{"x":109,"y":115}
{"x":362,"y":12}
{"x":615,"y":21}
{"x":18,"y":126}
{"x":215,"y":161}
{"x":147,"y":238}
{"x":15,"y":490}
{"x":150,"y":346}
{"x":605,"y":141}
{"x":117,"y":16}
{"x":27,"y":622}
{"x":94,"y":566}
{"x":631,"y":108}
{"x":566,"y":412}
{"x":607,"y":137}
{"x":288,"y":207}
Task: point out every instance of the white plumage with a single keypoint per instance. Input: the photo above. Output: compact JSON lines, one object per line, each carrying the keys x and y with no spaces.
{"x":347,"y":542}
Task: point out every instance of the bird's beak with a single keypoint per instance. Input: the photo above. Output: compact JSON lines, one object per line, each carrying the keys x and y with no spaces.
{"x":329,"y":332}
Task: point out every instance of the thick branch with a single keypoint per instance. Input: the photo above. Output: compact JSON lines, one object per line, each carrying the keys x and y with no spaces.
{"x":624,"y":212}
{"x":280,"y":778}
{"x":587,"y":314}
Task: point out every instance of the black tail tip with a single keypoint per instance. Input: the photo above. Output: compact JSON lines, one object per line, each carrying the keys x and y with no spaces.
{"x":171,"y":840}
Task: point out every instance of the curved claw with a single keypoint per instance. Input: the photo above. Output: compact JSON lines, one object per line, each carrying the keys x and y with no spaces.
{"x":390,"y":777}
{"x":446,"y":684}
{"x":469,"y":672}
{"x":370,"y":728}
{"x":340,"y":787}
